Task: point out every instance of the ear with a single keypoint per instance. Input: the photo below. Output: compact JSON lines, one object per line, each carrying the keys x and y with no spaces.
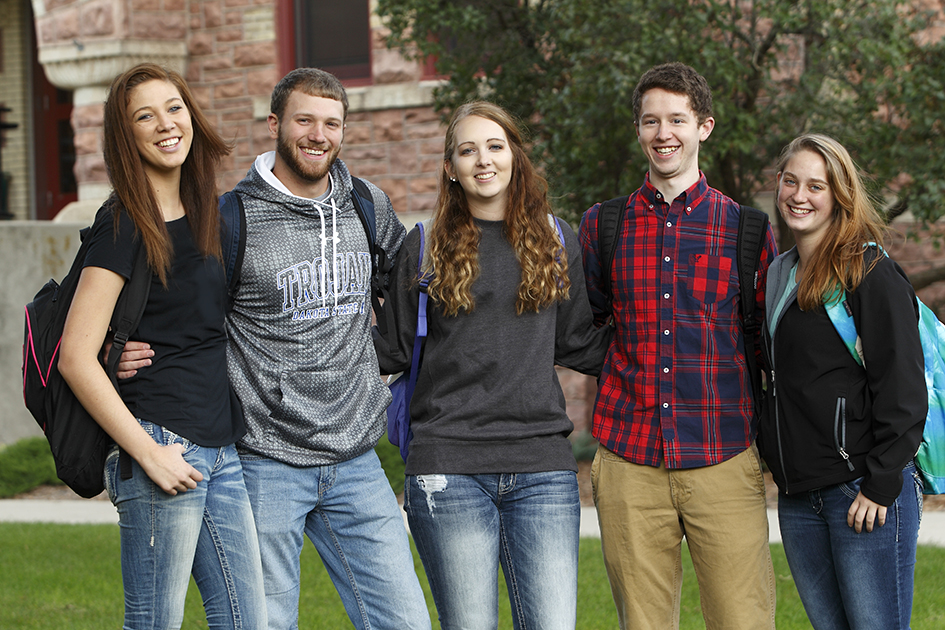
{"x":705,"y":129}
{"x":273,"y":121}
{"x":448,"y":167}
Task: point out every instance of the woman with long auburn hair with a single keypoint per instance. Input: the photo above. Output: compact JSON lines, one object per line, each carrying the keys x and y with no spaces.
{"x":184,"y":509}
{"x":839,"y":433}
{"x":491,"y":479}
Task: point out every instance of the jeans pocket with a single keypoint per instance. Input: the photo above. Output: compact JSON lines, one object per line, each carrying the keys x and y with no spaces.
{"x":851,"y":488}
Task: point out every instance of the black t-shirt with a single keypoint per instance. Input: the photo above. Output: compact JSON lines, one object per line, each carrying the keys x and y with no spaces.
{"x":185,"y":389}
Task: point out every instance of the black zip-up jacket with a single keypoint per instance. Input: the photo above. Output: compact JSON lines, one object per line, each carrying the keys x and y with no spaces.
{"x":826,"y":419}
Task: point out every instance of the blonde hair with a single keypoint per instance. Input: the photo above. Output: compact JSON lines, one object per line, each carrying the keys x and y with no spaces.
{"x":454,"y":236}
{"x":839,"y":260}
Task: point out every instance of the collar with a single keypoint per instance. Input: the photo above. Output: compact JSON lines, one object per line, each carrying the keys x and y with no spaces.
{"x":691,"y":197}
{"x":266,"y":162}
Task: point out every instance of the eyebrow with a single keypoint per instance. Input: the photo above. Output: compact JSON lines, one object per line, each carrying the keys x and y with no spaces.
{"x":812,"y":179}
{"x":474,"y":142}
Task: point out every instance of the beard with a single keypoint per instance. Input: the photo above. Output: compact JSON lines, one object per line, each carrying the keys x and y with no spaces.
{"x":305,"y":170}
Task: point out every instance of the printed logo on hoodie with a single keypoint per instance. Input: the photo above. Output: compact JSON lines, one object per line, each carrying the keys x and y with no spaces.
{"x":312,"y":289}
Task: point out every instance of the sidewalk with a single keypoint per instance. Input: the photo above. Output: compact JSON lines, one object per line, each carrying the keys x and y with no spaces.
{"x":932,"y":531}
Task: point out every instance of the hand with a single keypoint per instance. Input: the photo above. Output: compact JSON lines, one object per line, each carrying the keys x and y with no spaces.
{"x":135,"y":356}
{"x":865,"y":512}
{"x":166,"y":467}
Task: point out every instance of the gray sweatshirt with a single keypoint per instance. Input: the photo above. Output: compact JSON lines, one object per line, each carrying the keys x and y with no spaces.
{"x":487,"y":398}
{"x":300,"y":354}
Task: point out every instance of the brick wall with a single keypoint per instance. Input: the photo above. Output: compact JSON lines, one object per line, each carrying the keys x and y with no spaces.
{"x":14,"y":90}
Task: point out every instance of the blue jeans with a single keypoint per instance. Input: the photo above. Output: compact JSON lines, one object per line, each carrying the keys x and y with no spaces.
{"x":207,"y":532}
{"x":350,"y":514}
{"x":466,"y":525}
{"x":848,"y":580}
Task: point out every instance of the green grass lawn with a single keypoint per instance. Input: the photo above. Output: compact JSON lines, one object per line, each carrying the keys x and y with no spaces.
{"x":68,"y":577}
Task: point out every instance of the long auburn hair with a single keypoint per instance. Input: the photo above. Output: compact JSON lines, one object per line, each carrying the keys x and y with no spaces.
{"x":839,"y":259}
{"x":132,"y":189}
{"x":454,"y":236}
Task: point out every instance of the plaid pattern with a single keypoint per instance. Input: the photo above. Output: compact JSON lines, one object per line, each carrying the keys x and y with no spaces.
{"x":674,"y":386}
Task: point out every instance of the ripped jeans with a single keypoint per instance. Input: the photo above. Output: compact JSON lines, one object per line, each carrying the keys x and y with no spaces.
{"x":465,"y":526}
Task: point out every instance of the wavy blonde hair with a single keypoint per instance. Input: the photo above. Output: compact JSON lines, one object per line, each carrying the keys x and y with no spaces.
{"x":454,"y":236}
{"x":839,"y":260}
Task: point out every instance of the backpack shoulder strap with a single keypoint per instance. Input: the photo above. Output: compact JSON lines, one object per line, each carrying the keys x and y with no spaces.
{"x":752,"y":228}
{"x":364,"y":205}
{"x":609,"y":219}
{"x":232,"y":237}
{"x":129,"y":308}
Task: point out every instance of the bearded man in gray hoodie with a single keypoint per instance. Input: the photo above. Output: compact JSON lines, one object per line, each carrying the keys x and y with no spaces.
{"x":301,"y":359}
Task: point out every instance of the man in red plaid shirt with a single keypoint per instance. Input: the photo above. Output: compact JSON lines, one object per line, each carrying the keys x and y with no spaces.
{"x":674,"y":413}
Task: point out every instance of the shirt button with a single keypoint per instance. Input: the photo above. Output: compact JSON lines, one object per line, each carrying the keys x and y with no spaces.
{"x":669,"y":224}
{"x":651,"y":206}
{"x":665,"y":405}
{"x":666,"y":259}
{"x":666,"y":296}
{"x":688,"y":209}
{"x":665,"y":370}
{"x":666,"y":332}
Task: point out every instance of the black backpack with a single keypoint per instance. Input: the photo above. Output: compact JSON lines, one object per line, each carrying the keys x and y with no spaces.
{"x":79,"y":445}
{"x":752,"y":227}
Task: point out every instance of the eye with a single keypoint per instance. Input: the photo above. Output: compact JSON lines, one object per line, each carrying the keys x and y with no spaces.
{"x":496,"y":147}
{"x":678,"y":121}
{"x":143,"y":117}
{"x":466,"y":151}
{"x":176,"y":108}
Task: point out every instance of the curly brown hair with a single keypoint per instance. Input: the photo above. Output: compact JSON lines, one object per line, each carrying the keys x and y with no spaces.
{"x":454,"y":236}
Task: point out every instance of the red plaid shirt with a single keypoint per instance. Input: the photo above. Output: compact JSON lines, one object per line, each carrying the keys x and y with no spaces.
{"x":674,"y":386}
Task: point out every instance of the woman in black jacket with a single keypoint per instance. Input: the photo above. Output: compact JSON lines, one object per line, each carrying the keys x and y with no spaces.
{"x":840,"y":438}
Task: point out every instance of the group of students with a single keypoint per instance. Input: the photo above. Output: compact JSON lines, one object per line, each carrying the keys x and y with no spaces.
{"x":250,"y":428}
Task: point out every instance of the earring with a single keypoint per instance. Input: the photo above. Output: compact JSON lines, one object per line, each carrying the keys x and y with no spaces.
{"x":453,"y":179}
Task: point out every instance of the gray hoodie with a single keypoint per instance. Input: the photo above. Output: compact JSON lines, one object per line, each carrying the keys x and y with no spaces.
{"x":300,"y":354}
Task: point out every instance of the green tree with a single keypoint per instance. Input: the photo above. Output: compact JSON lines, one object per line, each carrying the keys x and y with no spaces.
{"x":859,"y":70}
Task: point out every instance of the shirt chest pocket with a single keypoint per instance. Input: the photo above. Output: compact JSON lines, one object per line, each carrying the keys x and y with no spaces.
{"x":710,"y":279}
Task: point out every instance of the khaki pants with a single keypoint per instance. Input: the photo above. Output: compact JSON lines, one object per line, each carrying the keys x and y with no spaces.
{"x":644,"y":512}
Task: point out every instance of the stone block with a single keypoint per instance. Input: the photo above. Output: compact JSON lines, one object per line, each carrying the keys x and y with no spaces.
{"x":357,"y":134}
{"x":396,"y":189}
{"x":145,"y":5}
{"x":88,"y":116}
{"x":420,"y":185}
{"x":65,"y":25}
{"x":358,"y":117}
{"x":90,"y":168}
{"x":231,"y":89}
{"x":388,"y":125}
{"x":414,"y":115}
{"x":425,"y":130}
{"x":433,"y":147}
{"x":256,"y":54}
{"x":216,"y":63}
{"x":369,"y":169}
{"x":212,"y":14}
{"x":262,"y":81}
{"x":201,"y":95}
{"x":229,"y":35}
{"x":87,"y":142}
{"x":365,"y":152}
{"x":175,"y":5}
{"x":403,"y":160}
{"x":201,"y":43}
{"x":173,"y":26}
{"x":422,"y":203}
{"x":233,"y":17}
{"x":389,"y":66}
{"x":431,"y":165}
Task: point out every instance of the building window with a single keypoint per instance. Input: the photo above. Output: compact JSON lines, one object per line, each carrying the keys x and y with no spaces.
{"x":335,"y":37}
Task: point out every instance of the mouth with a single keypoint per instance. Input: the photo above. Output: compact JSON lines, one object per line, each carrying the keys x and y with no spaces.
{"x":666,"y":151}
{"x":316,"y":153}
{"x":800,"y":212}
{"x":169,"y":143}
{"x":483,"y":177}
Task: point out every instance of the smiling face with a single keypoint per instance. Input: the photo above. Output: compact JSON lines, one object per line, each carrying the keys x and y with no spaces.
{"x":482,"y":164}
{"x":669,"y":132}
{"x":162,"y":127}
{"x":805,"y":200}
{"x":309,"y":139}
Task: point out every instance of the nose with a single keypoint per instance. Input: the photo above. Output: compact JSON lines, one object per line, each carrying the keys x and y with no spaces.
{"x":317,"y":133}
{"x":662,"y":132}
{"x":165,"y":121}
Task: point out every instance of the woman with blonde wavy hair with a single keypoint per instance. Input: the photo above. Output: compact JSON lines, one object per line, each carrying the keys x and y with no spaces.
{"x":839,"y":434}
{"x":491,"y":479}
